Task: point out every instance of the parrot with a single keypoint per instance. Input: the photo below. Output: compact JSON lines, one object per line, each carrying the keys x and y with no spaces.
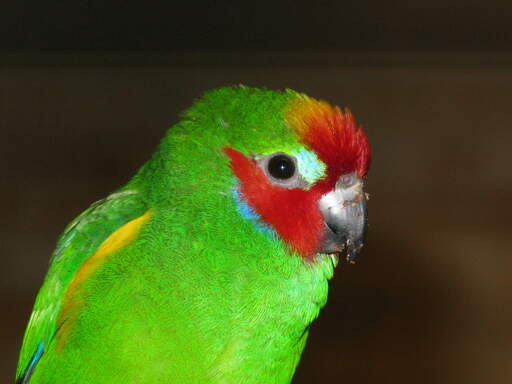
{"x":211,"y":263}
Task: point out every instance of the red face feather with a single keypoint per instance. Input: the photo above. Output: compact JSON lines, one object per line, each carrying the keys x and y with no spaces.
{"x":294,"y":213}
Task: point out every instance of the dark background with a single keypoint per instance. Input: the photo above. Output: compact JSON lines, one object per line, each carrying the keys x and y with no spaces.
{"x":87,"y":89}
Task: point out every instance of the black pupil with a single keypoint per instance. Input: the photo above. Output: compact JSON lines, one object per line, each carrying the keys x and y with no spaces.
{"x":281,"y":167}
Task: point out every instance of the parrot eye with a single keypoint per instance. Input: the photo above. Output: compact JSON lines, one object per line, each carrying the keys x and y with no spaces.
{"x":282,"y":170}
{"x":281,"y":167}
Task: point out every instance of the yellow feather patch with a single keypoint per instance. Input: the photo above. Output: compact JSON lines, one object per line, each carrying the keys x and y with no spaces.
{"x":73,"y":301}
{"x":122,"y":237}
{"x":301,"y":109}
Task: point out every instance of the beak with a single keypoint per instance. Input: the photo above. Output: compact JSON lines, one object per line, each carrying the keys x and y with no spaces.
{"x":345,"y":217}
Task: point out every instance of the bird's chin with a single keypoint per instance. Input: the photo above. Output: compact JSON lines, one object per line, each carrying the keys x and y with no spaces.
{"x":335,"y":256}
{"x":341,"y":252}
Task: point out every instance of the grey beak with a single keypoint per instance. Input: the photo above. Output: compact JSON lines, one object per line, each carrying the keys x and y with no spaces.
{"x":345,"y":217}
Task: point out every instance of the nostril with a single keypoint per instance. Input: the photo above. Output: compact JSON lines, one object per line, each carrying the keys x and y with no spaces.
{"x":346,"y":181}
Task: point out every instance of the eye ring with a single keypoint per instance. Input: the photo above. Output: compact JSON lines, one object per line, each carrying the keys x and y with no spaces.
{"x":282,"y":170}
{"x":281,"y":167}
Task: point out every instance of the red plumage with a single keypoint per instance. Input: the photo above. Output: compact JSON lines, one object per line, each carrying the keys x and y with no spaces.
{"x":334,"y":136}
{"x":293,"y":213}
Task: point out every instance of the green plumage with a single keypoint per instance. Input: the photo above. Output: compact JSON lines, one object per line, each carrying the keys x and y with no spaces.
{"x":200,"y":296}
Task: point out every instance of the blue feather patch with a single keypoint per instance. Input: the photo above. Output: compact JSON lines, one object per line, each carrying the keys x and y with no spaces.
{"x":248,"y":213}
{"x":310,"y":166}
{"x":33,"y":362}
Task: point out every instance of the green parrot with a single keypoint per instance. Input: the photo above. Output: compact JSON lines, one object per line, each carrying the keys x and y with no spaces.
{"x":211,"y":263}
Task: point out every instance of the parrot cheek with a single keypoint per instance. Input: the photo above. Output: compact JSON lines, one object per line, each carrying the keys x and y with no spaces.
{"x":328,"y":218}
{"x":292,"y":213}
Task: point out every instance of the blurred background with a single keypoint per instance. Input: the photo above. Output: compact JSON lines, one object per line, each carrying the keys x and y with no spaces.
{"x":88,"y":88}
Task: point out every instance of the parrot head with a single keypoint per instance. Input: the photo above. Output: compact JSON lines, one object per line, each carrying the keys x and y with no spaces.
{"x":311,"y":196}
{"x":293,"y":166}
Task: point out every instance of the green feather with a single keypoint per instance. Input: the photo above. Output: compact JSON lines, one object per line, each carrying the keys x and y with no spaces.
{"x":200,"y":296}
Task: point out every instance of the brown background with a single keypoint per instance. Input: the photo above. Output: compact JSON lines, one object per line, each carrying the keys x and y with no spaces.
{"x":84,"y":101}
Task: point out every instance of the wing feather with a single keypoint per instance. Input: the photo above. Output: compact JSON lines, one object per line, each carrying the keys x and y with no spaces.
{"x":78,"y":242}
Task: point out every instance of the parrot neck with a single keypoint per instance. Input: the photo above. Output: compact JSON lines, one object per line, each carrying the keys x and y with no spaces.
{"x":270,"y":321}
{"x":248,"y":323}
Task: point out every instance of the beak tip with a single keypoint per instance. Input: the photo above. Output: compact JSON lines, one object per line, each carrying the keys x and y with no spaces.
{"x":353,"y":251}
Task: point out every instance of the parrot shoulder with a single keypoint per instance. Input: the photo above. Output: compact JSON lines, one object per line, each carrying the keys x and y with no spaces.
{"x":79,"y":241}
